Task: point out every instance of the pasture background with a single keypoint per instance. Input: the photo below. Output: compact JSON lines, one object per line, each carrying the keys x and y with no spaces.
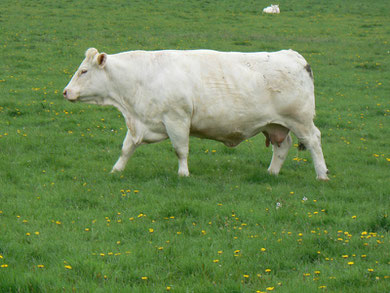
{"x":66,"y":224}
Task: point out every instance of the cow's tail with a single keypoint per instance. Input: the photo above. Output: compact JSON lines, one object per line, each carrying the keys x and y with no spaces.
{"x":301,"y":146}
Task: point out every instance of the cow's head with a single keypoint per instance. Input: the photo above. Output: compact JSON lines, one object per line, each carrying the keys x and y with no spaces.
{"x":89,"y":83}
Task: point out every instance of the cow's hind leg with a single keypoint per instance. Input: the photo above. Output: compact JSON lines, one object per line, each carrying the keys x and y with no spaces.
{"x":310,"y":136}
{"x":179,"y":135}
{"x":128,"y":149}
{"x":279,"y":155}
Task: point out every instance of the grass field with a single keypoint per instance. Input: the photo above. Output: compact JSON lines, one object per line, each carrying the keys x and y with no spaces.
{"x":67,"y":225}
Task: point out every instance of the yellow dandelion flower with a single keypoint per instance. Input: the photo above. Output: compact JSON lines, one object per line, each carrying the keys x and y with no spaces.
{"x":216,"y":261}
{"x":4,"y":266}
{"x":144,"y":278}
{"x":68,"y":267}
{"x":270,"y":288}
{"x":351,"y":263}
{"x":40,"y":266}
{"x":246,"y":276}
{"x":370,"y":270}
{"x":151,"y":230}
{"x":263,"y":249}
{"x":268,"y":270}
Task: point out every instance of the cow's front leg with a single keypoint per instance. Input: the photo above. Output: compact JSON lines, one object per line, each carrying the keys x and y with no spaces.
{"x":128,"y":149}
{"x":178,"y":133}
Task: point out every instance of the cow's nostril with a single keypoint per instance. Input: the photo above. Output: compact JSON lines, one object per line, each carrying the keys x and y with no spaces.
{"x":64,"y":93}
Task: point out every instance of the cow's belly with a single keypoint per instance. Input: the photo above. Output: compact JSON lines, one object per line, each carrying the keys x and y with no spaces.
{"x":231,"y":117}
{"x":230,"y":133}
{"x":231,"y":138}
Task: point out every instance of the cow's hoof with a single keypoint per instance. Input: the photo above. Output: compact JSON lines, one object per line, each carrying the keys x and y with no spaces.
{"x":273,"y":172}
{"x":184,"y":174}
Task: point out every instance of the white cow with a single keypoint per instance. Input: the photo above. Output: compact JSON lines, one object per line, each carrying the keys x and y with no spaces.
{"x":224,"y":96}
{"x":273,"y":9}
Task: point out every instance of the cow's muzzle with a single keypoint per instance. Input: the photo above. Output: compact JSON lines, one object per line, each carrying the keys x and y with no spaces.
{"x":67,"y":96}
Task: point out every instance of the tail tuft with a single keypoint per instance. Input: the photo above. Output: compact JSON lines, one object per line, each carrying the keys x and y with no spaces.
{"x":301,"y":146}
{"x":308,"y":69}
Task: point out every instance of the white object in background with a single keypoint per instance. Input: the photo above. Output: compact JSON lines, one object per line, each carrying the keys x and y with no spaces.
{"x":273,"y":9}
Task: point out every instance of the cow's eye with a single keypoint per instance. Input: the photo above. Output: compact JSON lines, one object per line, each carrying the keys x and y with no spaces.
{"x":83,"y":71}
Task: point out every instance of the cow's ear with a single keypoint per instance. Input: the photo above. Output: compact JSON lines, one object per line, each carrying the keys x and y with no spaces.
{"x":90,"y":53}
{"x":101,"y":59}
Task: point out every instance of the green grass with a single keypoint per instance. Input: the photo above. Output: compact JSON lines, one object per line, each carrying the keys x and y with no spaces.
{"x":90,"y":230}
